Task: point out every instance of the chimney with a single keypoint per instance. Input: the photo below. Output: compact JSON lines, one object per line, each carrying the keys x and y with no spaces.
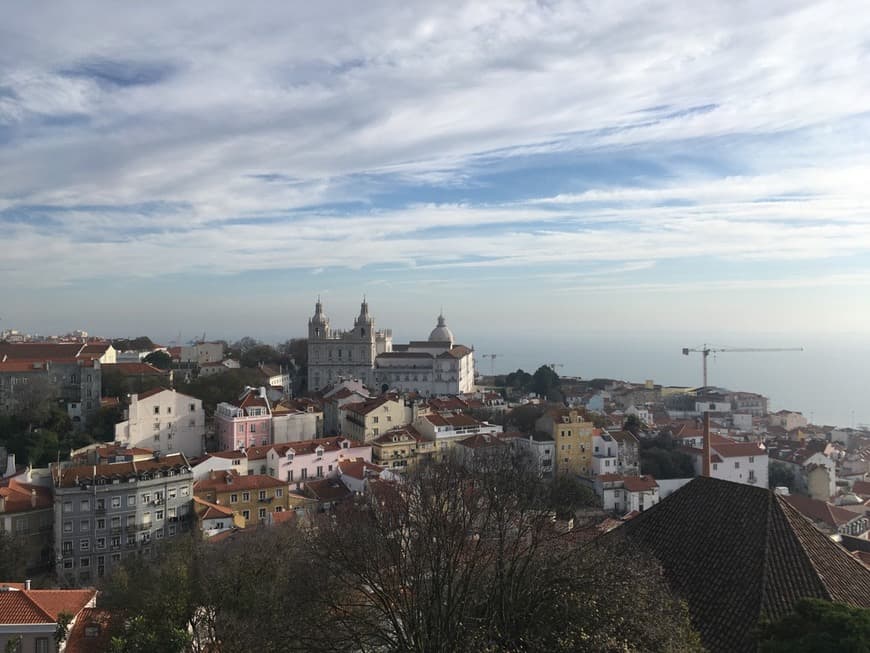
{"x":706,"y":461}
{"x":27,"y":584}
{"x":32,"y":497}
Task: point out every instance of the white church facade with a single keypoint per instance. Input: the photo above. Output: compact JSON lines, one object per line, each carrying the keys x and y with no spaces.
{"x":437,"y":366}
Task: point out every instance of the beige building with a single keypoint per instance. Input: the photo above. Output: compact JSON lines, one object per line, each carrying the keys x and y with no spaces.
{"x":401,"y":448}
{"x":366,"y":420}
{"x":572,"y":434}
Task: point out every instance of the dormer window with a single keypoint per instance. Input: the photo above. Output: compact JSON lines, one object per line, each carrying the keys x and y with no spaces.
{"x":319,"y":452}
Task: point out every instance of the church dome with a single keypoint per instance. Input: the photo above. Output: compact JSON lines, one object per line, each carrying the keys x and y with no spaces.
{"x":442,"y":332}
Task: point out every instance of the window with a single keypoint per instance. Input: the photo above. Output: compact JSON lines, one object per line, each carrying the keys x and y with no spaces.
{"x":374,"y":420}
{"x":85,"y":505}
{"x":158,"y":515}
{"x":116,"y":502}
{"x":173,"y":492}
{"x":101,"y":505}
{"x":304,"y":473}
{"x":752,"y":475}
{"x":715,"y":466}
{"x":262,"y":494}
{"x":192,"y":408}
{"x":67,"y":506}
{"x":320,"y":471}
{"x":156,"y":410}
{"x":279,"y":492}
{"x":253,"y":428}
{"x":246,"y":514}
{"x":185,"y":491}
{"x":116,"y":522}
{"x":41,"y":645}
{"x":262,"y":513}
{"x":290,"y":475}
{"x":84,"y":525}
{"x":85,"y":545}
{"x":101,"y":542}
{"x":131,"y":500}
{"x":246,"y":496}
{"x":131,"y":520}
{"x":169,"y":410}
{"x":101,"y":524}
{"x":736,"y":464}
{"x":146,"y":498}
{"x":67,"y":527}
{"x":752,"y":459}
{"x":234,"y":498}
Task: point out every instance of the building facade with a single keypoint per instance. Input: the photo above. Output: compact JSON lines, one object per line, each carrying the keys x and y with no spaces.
{"x":572,"y":433}
{"x":246,"y":422}
{"x":106,"y":512}
{"x":436,"y":366}
{"x":164,"y":420}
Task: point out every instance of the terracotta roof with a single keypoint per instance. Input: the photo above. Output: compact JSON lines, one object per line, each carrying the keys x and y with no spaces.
{"x":16,"y":607}
{"x":21,"y":497}
{"x":750,"y":556}
{"x":304,"y":447}
{"x":327,"y":489}
{"x":250,"y":399}
{"x":739,"y":449}
{"x":452,"y":419}
{"x":358,"y":469}
{"x":52,"y":351}
{"x":482,"y":441}
{"x":821,"y":511}
{"x":258,"y":452}
{"x":90,"y":632}
{"x":369,"y":405}
{"x":401,"y":433}
{"x":639,"y":483}
{"x":134,"y":369}
{"x":212,"y":510}
{"x":231,"y":455}
{"x":77,"y":474}
{"x":861,"y":488}
{"x":226,"y":481}
{"x":53,"y":602}
{"x":151,"y":393}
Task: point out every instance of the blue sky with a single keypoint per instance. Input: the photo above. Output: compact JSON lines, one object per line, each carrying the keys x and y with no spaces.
{"x":697,"y":168}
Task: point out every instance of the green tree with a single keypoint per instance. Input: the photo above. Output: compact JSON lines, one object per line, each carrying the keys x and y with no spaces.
{"x":818,"y":626}
{"x":568,"y":494}
{"x":216,"y":388}
{"x":142,"y":343}
{"x":261,"y":353}
{"x":102,"y":423}
{"x":780,"y":475}
{"x":633,"y":424}
{"x":545,"y":383}
{"x":34,"y":400}
{"x":159,"y":359}
{"x":12,"y":557}
{"x":523,"y":417}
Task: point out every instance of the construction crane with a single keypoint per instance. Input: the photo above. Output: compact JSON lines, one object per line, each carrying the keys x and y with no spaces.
{"x":705,"y":351}
{"x":491,"y":358}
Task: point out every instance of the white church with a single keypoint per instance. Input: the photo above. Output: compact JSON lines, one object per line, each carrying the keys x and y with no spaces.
{"x":437,"y":366}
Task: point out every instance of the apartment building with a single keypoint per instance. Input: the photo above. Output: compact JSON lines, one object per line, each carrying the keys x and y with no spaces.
{"x":106,"y":512}
{"x":164,"y":420}
{"x":572,"y":434}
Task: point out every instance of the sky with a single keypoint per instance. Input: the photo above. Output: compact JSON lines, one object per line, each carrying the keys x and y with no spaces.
{"x":698,"y":170}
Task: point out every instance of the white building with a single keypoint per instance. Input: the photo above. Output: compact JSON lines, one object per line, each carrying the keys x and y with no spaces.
{"x":221,"y":461}
{"x":739,"y":462}
{"x":605,"y":454}
{"x":541,"y":449}
{"x":624,"y":494}
{"x":293,"y":421}
{"x":436,"y":366}
{"x":164,"y":420}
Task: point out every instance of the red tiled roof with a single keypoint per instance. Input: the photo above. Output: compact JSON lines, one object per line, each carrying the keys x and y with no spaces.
{"x":861,"y":488}
{"x":72,"y":476}
{"x":482,"y":441}
{"x":639,"y":483}
{"x":402,"y":433}
{"x":53,"y":602}
{"x":21,"y":497}
{"x":821,"y":511}
{"x":359,"y":468}
{"x":151,"y":393}
{"x":304,"y":447}
{"x":212,"y":510}
{"x":134,"y":369}
{"x":453,"y":419}
{"x":739,"y":449}
{"x":16,"y":608}
{"x":327,"y":489}
{"x":90,"y":632}
{"x":225,"y":481}
{"x":369,"y":405}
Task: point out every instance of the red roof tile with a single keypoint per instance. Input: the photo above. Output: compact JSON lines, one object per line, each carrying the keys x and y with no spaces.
{"x":90,"y":632}
{"x":226,"y":481}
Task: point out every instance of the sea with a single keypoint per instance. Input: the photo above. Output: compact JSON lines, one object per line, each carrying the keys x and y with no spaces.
{"x":828,"y":381}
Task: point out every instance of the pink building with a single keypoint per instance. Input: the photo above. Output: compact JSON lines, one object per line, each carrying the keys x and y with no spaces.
{"x":246,"y":422}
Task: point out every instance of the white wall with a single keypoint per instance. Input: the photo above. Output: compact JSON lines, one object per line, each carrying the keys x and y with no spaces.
{"x":169,"y":422}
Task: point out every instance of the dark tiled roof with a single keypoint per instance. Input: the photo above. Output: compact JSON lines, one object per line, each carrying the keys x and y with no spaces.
{"x":736,"y":553}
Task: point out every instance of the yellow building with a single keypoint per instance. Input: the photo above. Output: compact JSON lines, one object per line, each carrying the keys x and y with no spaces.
{"x":254,"y":496}
{"x":572,"y":433}
{"x":401,"y":448}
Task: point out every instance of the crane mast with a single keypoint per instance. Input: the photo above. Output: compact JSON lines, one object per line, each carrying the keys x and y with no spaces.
{"x":705,"y":352}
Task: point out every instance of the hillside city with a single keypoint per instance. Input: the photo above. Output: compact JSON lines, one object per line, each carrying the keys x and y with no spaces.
{"x":137,"y":478}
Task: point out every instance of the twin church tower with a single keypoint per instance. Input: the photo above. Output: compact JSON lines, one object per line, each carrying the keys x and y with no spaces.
{"x":436,"y":366}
